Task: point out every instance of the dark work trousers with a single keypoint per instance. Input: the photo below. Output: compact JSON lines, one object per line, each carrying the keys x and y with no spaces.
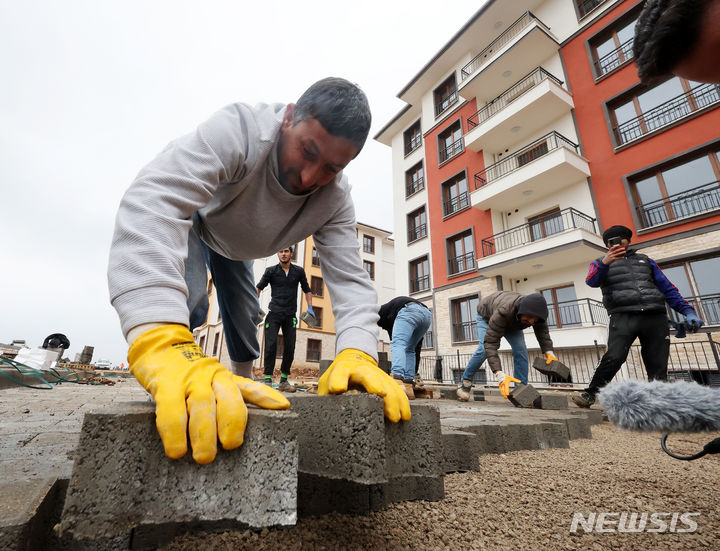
{"x":273,"y":324}
{"x":652,"y":329}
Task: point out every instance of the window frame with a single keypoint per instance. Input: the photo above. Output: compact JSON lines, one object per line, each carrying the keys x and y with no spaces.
{"x":445,"y":196}
{"x":412,"y":227}
{"x":308,"y":356}
{"x":460,"y":236}
{"x":414,"y":186}
{"x":315,"y":258}
{"x":449,"y":131}
{"x":454,"y":318}
{"x":449,"y":85}
{"x":313,"y":280}
{"x":411,"y":275}
{"x":368,"y":243}
{"x":610,"y":31}
{"x":371,"y":265}
{"x":412,"y":138}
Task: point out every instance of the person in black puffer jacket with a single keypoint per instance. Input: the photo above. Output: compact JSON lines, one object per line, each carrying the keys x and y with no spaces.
{"x":634,"y":293}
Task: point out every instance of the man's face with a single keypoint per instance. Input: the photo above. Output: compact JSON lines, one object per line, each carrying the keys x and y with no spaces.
{"x":284,"y":256}
{"x":308,"y":156}
{"x":528,"y":320}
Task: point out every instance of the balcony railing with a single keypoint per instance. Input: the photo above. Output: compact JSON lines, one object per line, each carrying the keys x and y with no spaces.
{"x":449,"y":151}
{"x":524,"y":21}
{"x":413,"y":187}
{"x":694,"y":201}
{"x":511,"y":94}
{"x":518,"y":159}
{"x":575,"y":313}
{"x":420,"y":284}
{"x":699,"y":97}
{"x":707,"y":307}
{"x":413,"y":143}
{"x":465,"y":331}
{"x":539,"y":228}
{"x":456,"y":204}
{"x":440,"y":106}
{"x":462,"y":263}
{"x":418,"y":232}
{"x":427,"y":341}
{"x":614,"y":59}
{"x":586,"y":6}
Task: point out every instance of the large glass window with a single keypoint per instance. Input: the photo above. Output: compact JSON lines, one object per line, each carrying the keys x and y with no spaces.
{"x":369,"y":268}
{"x":412,"y":138}
{"x":563,"y":309}
{"x":464,"y":319}
{"x":316,"y":286}
{"x":699,"y":284}
{"x":612,"y":49}
{"x":419,"y":275}
{"x":450,"y":142}
{"x":445,"y":95}
{"x":461,"y":253}
{"x":417,"y":225}
{"x":414,"y":180}
{"x":546,"y":224}
{"x":314,"y":350}
{"x":455,"y":194}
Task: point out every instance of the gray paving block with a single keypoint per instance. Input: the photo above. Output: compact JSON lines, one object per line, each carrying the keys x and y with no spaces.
{"x":28,"y":511}
{"x":124,"y":486}
{"x":523,"y":396}
{"x":594,"y":416}
{"x":553,"y":435}
{"x":460,"y":451}
{"x":551,"y":401}
{"x":554,"y":368}
{"x":324,"y":364}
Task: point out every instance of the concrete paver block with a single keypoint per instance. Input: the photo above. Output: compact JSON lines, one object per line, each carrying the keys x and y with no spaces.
{"x":551,"y":401}
{"x":555,"y":368}
{"x":324,"y":364}
{"x":460,"y":451}
{"x":124,"y":486}
{"x":27,"y":511}
{"x":523,"y":396}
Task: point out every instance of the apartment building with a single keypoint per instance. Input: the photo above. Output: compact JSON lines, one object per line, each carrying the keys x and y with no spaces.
{"x":524,"y":137}
{"x":312,"y":344}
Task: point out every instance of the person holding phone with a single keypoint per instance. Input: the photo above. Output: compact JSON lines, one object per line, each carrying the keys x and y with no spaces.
{"x":634,"y":293}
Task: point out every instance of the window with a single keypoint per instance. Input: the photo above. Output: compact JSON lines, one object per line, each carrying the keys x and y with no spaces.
{"x":419,"y":275}
{"x":563,"y":308}
{"x":314,"y":350}
{"x":532,"y":153}
{"x":216,"y":342}
{"x":464,"y":316}
{"x":450,"y":142}
{"x":427,"y":341}
{"x":649,"y":109}
{"x":318,"y":316}
{"x":369,"y":268}
{"x":202,"y":343}
{"x":315,"y":258}
{"x":461,"y":253}
{"x":412,"y":138}
{"x":674,"y":191}
{"x":414,"y":180}
{"x":280,"y":346}
{"x":316,"y":286}
{"x":417,"y":225}
{"x":445,"y":95}
{"x":698,"y":283}
{"x":294,"y":248}
{"x":584,"y":7}
{"x":455,"y":194}
{"x":613,"y":48}
{"x":546,"y":224}
{"x":368,"y":244}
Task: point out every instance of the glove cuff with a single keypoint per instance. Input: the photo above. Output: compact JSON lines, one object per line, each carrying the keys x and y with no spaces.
{"x":160,"y":336}
{"x":352,"y":353}
{"x":499,"y":376}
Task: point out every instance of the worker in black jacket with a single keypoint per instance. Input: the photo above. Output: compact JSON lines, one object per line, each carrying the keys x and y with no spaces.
{"x":406,"y":320}
{"x":283,"y":279}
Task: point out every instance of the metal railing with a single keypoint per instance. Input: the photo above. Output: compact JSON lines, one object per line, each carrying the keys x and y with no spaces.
{"x":413,"y":143}
{"x":462,"y":263}
{"x":465,"y":331}
{"x":706,"y":306}
{"x":680,"y":205}
{"x":414,"y":186}
{"x":419,"y":284}
{"x":417,"y":232}
{"x":614,"y":59}
{"x":586,"y":6}
{"x":540,"y":228}
{"x":450,"y":150}
{"x":576,"y":313}
{"x":524,"y":21}
{"x":456,"y":204}
{"x":428,"y":341}
{"x":511,"y":94}
{"x":516,"y":160}
{"x":699,"y":97}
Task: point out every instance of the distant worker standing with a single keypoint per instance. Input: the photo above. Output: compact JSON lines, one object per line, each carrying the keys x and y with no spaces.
{"x":284,"y":279}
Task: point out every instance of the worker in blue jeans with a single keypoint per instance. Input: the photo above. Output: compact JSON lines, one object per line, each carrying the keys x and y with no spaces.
{"x":406,"y":320}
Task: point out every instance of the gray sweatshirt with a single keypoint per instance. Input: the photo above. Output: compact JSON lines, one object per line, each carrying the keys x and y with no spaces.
{"x":227,"y":172}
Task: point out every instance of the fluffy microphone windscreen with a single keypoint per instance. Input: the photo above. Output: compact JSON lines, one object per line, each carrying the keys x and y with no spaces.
{"x":659,"y":406}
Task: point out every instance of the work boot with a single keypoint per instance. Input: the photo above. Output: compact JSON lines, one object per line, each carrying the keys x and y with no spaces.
{"x":464,"y":390}
{"x":286,"y":386}
{"x":584,"y":399}
{"x":407,"y":388}
{"x":418,"y":381}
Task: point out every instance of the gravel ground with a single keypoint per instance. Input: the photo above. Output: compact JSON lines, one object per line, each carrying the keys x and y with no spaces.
{"x":525,"y":500}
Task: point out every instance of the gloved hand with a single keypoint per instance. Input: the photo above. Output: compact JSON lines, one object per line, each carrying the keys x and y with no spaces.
{"x":312,"y":312}
{"x":194,"y":393}
{"x":354,"y":366}
{"x":504,"y":381}
{"x":693,"y":322}
{"x":550,"y":357}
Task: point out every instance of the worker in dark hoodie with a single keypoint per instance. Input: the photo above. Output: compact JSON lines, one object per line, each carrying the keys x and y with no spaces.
{"x":507,"y":314}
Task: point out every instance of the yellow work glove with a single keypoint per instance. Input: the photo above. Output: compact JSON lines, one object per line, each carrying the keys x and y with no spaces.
{"x":194,"y":393}
{"x":550,"y":357}
{"x":354,"y":366}
{"x":504,"y":381}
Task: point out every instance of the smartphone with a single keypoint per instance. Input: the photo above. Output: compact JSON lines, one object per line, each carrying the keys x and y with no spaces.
{"x":614,"y":241}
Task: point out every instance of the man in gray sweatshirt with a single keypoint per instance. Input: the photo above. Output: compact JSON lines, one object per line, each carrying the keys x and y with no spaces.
{"x":248,"y":182}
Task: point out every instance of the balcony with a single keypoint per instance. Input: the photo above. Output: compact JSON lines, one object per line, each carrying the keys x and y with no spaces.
{"x":524,"y":45}
{"x":411,"y":188}
{"x":419,"y":284}
{"x":576,"y":313}
{"x":418,"y":232}
{"x":542,"y":167}
{"x":695,"y":201}
{"x":557,"y":241}
{"x":463,"y":263}
{"x":614,"y":59}
{"x":707,"y":307}
{"x":456,"y":204}
{"x":521,"y":110}
{"x":700,"y":97}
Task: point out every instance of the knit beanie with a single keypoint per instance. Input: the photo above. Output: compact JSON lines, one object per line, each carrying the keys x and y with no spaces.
{"x":533,"y":305}
{"x":616,"y":231}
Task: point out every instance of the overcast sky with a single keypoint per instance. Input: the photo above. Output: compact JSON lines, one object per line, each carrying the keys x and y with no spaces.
{"x":92,"y":90}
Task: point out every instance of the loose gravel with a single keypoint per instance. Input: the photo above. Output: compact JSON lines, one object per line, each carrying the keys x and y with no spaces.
{"x":525,"y":501}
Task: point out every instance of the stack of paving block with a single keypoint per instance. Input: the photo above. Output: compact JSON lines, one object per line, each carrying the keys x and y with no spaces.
{"x":526,"y":396}
{"x":326,"y":453}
